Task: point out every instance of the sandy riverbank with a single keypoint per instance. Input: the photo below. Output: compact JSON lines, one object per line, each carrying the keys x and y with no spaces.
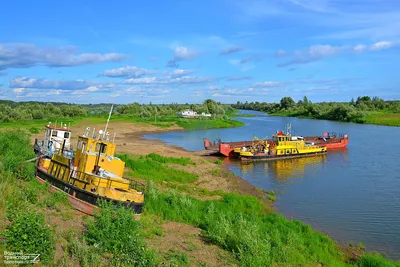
{"x":129,"y":139}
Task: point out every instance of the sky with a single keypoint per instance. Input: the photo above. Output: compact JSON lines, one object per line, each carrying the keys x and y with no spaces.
{"x":186,"y":51}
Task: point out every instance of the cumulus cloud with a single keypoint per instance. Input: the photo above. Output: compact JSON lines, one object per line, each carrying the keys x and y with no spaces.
{"x":382,"y":45}
{"x":318,"y":52}
{"x":48,"y":84}
{"x":181,"y":53}
{"x":72,"y":87}
{"x":28,"y":55}
{"x":170,"y":80}
{"x":126,"y":72}
{"x":269,"y":84}
{"x":231,"y":50}
{"x":18,"y":91}
{"x":181,"y":72}
{"x":238,"y":78}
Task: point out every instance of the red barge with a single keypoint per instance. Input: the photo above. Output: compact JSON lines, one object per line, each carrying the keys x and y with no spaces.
{"x":328,"y":140}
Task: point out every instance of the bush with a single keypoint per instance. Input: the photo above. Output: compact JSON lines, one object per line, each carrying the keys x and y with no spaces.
{"x":375,"y":260}
{"x":27,"y":232}
{"x":15,"y":149}
{"x":116,"y":231}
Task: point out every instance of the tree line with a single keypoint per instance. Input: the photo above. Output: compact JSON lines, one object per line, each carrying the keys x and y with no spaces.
{"x":11,"y":111}
{"x":353,"y":111}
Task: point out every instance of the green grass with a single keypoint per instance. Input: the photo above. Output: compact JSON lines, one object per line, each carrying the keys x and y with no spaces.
{"x":219,"y":162}
{"x":387,"y":118}
{"x":148,"y":168}
{"x":116,"y":231}
{"x":162,"y":159}
{"x":241,"y":224}
{"x":33,"y":126}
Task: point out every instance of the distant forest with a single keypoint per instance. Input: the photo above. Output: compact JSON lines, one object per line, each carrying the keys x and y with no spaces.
{"x":11,"y":111}
{"x":353,"y":111}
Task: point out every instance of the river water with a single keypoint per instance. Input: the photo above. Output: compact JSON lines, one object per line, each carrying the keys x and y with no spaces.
{"x":351,"y":194}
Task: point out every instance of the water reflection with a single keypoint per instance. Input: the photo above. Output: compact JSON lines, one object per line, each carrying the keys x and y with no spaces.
{"x":283,"y":170}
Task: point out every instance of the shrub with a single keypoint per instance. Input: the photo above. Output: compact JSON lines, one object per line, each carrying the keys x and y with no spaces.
{"x":219,"y":162}
{"x":375,"y":260}
{"x":116,"y":231}
{"x":15,"y":149}
{"x":27,"y":232}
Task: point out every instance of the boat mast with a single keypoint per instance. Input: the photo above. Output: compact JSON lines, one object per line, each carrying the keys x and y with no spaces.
{"x":109,"y":116}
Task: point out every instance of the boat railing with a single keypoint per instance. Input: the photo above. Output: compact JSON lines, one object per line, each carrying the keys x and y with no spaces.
{"x":83,"y":178}
{"x":138,"y":186}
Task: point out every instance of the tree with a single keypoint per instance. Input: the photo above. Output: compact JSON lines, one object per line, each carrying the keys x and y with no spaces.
{"x":287,"y":102}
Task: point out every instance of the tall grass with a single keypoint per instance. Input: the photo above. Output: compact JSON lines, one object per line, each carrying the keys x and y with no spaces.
{"x":15,"y":149}
{"x":116,"y":231}
{"x":149,"y":168}
{"x":240,"y":224}
{"x":162,"y":159}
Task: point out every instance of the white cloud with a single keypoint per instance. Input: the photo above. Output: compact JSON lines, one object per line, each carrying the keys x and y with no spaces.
{"x":269,"y":84}
{"x":171,"y":80}
{"x":18,"y":91}
{"x":181,"y":53}
{"x":28,"y":55}
{"x":318,"y":52}
{"x":181,"y":72}
{"x":382,"y":45}
{"x":231,"y":50}
{"x":184,"y":53}
{"x":127,"y":71}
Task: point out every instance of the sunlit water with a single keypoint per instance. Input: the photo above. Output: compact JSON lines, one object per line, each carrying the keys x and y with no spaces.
{"x":351,"y":194}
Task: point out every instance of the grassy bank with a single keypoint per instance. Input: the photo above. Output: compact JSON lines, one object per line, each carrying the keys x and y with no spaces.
{"x":34,"y":126}
{"x":364,"y":110}
{"x":239,"y":229}
{"x":384,"y":118}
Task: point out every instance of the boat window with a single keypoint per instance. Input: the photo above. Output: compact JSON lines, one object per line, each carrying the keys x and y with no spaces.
{"x":66,"y":135}
{"x":54,"y":133}
{"x":48,"y":131}
{"x":79,"y":146}
{"x":103,"y":150}
{"x":83,"y":146}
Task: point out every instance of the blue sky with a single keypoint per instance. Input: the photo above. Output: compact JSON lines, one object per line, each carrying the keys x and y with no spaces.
{"x":185,"y":51}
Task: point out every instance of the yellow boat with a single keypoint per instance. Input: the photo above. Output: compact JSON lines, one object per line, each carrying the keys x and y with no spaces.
{"x":91,"y":174}
{"x":283,"y":146}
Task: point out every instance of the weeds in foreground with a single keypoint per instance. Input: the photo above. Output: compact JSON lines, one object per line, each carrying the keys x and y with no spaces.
{"x":241,"y":225}
{"x":29,"y":233}
{"x":116,"y":231}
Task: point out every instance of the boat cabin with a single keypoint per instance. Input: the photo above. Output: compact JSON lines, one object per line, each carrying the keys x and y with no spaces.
{"x":54,"y":138}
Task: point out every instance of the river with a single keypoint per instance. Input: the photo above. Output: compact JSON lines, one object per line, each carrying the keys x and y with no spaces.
{"x":351,"y":194}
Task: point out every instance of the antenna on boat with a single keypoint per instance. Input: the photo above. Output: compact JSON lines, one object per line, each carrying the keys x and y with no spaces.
{"x":109,"y":116}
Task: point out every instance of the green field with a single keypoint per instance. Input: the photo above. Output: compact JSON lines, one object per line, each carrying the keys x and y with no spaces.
{"x":161,"y":121}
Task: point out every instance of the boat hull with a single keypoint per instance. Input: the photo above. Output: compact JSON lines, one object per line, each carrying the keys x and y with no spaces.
{"x":80,"y":199}
{"x":278,"y":157}
{"x":227,"y":148}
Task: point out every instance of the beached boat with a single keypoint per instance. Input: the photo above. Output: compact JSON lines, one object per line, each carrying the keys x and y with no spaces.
{"x":54,"y":137}
{"x":90,"y":174}
{"x":231,"y":149}
{"x":282,"y":146}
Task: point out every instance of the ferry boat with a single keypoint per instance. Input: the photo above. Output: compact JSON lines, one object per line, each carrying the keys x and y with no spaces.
{"x":282,"y":146}
{"x":231,"y":149}
{"x":90,"y":174}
